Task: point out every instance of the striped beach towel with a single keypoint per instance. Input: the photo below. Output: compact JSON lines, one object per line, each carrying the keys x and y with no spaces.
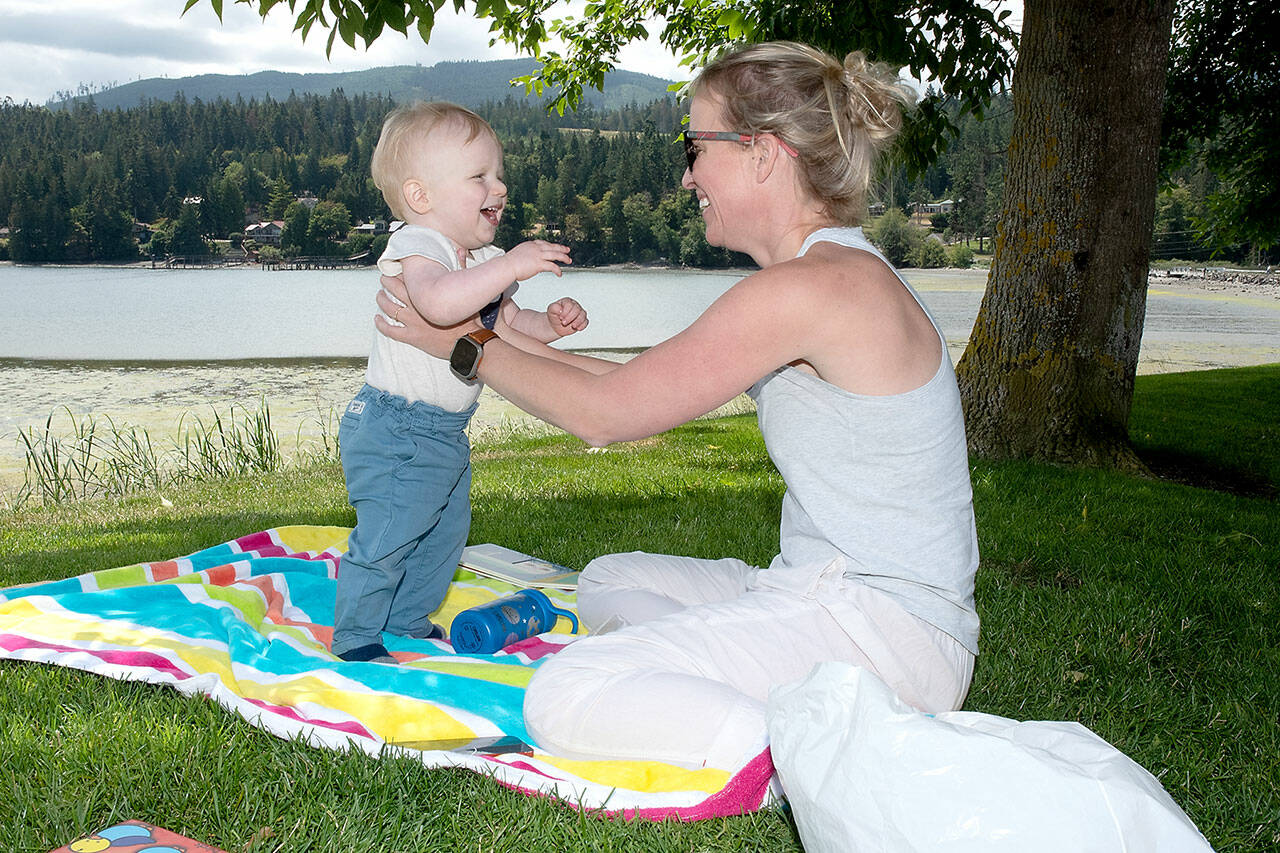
{"x":248,"y":624}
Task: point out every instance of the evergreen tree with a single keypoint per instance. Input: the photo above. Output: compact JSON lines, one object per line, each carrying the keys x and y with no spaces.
{"x":281,"y":197}
{"x":188,"y":233}
{"x":108,"y":228}
{"x":637,"y":209}
{"x":295,"y":239}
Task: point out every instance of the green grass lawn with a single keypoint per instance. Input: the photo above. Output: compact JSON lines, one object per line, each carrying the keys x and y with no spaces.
{"x":1145,"y":609}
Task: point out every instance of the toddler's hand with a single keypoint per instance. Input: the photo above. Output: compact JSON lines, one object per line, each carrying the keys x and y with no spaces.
{"x":534,"y":256}
{"x":566,"y":316}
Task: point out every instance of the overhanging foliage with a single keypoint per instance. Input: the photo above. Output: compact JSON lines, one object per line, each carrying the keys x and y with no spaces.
{"x":963,"y":47}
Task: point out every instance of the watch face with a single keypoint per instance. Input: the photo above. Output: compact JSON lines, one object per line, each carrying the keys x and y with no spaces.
{"x":465,"y":358}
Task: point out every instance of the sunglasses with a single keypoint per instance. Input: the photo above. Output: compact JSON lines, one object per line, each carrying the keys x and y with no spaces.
{"x":691,"y":153}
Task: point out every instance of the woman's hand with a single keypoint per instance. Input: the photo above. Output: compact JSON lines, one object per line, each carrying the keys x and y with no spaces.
{"x":410,"y":328}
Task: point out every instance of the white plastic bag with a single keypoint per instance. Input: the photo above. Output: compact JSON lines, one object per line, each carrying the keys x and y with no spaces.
{"x":865,"y":772}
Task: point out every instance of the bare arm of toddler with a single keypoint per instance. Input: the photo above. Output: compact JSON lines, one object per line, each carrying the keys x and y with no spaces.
{"x":562,"y":317}
{"x":533,"y":346}
{"x":445,"y":297}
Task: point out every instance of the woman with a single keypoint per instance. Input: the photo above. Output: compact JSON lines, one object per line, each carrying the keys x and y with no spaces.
{"x":859,"y":410}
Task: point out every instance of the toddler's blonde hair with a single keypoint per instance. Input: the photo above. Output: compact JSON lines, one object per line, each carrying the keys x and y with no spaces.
{"x":402,"y":144}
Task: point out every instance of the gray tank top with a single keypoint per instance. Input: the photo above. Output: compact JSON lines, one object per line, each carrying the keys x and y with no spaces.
{"x":883,"y":480}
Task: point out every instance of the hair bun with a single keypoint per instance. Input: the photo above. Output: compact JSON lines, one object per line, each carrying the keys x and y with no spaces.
{"x":876,"y":94}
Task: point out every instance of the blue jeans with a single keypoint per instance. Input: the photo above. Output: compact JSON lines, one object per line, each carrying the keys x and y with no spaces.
{"x":408,"y":472}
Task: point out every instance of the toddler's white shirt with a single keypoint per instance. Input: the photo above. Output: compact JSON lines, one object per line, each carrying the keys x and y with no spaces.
{"x":405,"y":370}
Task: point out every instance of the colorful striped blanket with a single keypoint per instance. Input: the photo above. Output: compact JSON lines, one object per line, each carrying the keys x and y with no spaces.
{"x":248,"y":623}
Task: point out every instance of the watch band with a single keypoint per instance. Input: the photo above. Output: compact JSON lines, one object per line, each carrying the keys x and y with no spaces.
{"x":481,"y":336}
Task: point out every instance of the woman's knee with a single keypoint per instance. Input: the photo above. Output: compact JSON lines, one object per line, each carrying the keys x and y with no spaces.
{"x":561,"y":693}
{"x":607,"y":589}
{"x":609,"y":570}
{"x":618,"y":590}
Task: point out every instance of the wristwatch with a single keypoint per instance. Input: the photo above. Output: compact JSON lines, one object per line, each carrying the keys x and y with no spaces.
{"x":464,"y":361}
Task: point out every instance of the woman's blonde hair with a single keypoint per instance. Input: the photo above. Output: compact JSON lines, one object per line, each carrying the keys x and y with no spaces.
{"x":838,"y":117}
{"x":403,"y":144}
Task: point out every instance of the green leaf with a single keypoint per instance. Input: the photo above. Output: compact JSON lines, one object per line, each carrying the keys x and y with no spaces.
{"x":356,"y":15}
{"x":373,"y":26}
{"x":733,"y":21}
{"x":348,"y":29}
{"x":426,"y":20}
{"x":393,"y":14}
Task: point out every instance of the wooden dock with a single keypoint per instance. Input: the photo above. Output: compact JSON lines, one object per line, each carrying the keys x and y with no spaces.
{"x":200,"y":262}
{"x":314,"y":263}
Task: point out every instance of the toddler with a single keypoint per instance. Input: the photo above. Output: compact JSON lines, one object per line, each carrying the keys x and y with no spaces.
{"x":405,"y":454}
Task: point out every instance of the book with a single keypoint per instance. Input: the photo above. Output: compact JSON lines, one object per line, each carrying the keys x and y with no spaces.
{"x":135,"y":836}
{"x":493,"y":745}
{"x":505,"y":564}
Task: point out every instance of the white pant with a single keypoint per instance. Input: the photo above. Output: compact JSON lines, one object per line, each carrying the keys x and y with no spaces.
{"x":698,"y":644}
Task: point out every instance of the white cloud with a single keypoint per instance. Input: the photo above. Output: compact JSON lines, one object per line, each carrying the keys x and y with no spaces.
{"x":110,"y":37}
{"x":58,"y":45}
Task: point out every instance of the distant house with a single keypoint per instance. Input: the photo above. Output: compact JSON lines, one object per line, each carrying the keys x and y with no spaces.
{"x":876,"y":208}
{"x":933,"y":207}
{"x":265,"y":233}
{"x":377,"y":226}
{"x":308,"y":201}
{"x":142,"y":231}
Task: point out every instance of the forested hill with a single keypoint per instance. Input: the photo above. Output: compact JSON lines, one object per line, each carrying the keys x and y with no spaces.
{"x":469,"y":83}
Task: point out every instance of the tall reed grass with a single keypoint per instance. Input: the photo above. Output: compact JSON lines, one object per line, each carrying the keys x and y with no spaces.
{"x":226,"y":447}
{"x":93,"y":457}
{"x":76,"y":458}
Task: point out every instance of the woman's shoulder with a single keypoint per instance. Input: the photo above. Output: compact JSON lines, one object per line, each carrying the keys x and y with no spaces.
{"x":861,"y":257}
{"x":828,"y":267}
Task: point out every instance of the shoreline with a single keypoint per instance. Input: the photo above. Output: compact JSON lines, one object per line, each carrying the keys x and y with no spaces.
{"x":629,"y":266}
{"x":1259,"y":284}
{"x":1262,"y":283}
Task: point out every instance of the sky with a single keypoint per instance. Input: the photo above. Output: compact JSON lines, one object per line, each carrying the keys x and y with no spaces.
{"x":52,"y":46}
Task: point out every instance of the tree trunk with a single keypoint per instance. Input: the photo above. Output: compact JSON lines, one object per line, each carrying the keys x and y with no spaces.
{"x":1048,"y":373}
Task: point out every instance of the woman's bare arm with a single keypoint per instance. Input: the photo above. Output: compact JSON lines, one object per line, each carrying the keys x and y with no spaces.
{"x":753,"y":328}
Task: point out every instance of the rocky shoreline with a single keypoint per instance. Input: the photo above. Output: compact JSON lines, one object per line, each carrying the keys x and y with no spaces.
{"x":1261,"y":283}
